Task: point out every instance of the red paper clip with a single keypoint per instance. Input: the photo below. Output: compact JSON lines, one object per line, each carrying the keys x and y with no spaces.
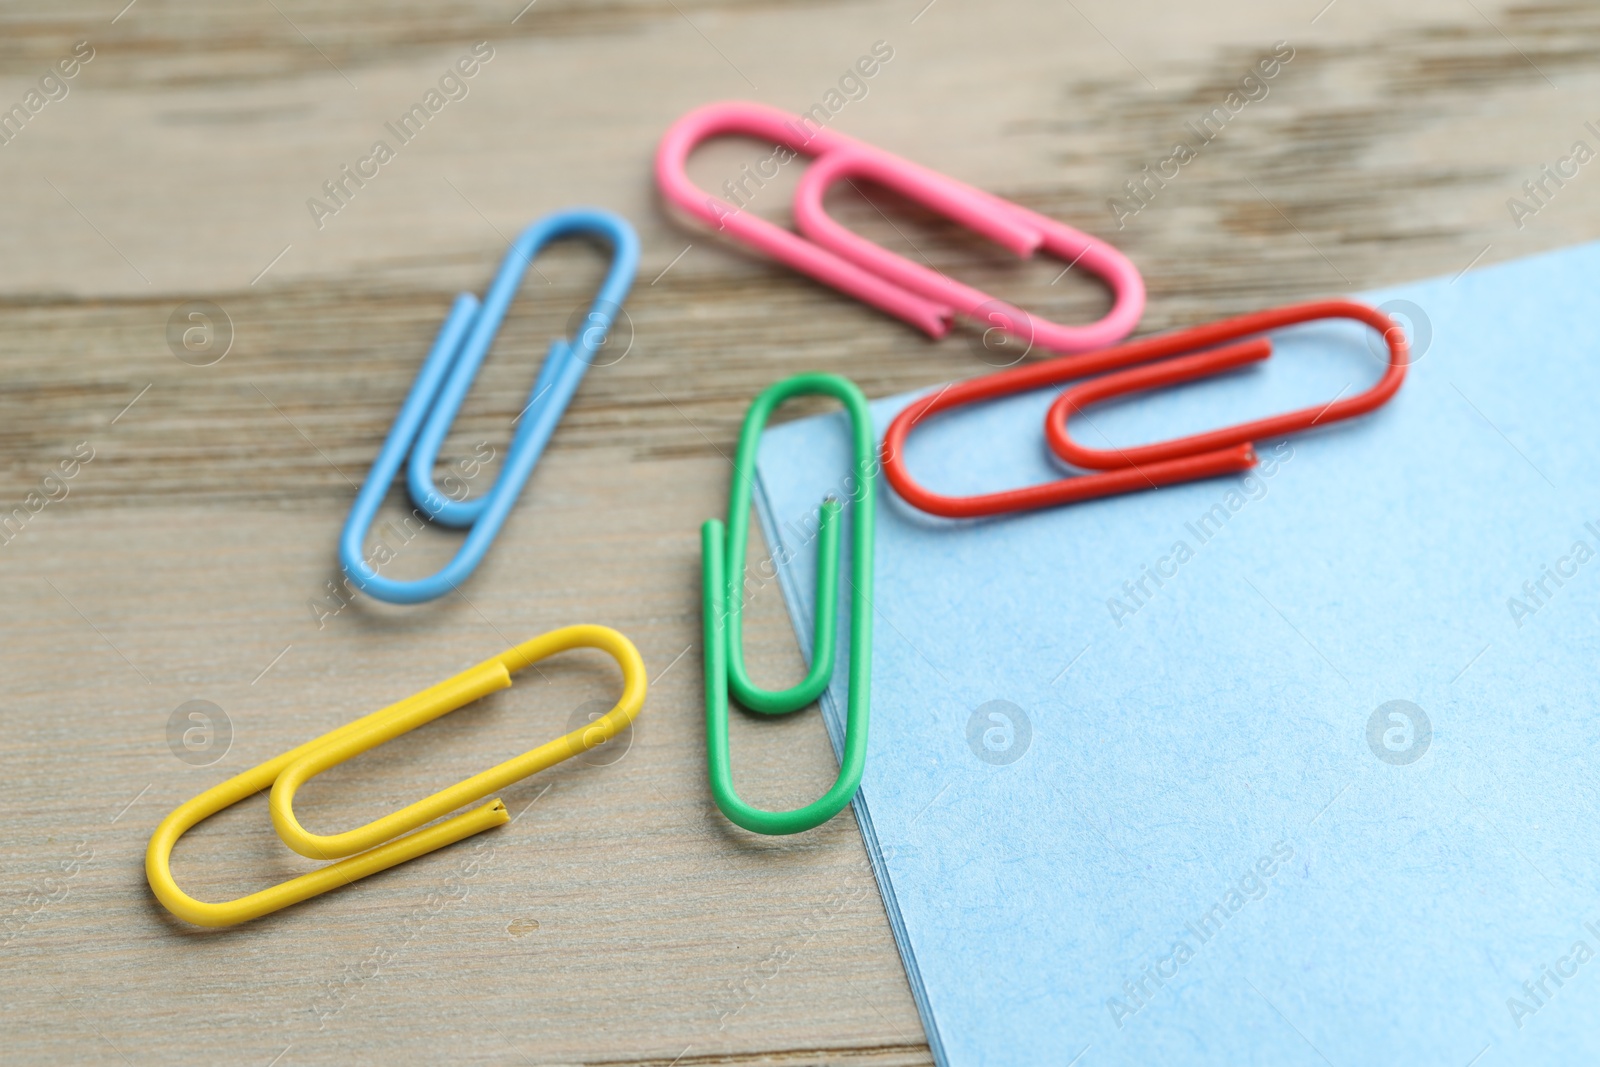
{"x":1204,"y":455}
{"x":835,"y":256}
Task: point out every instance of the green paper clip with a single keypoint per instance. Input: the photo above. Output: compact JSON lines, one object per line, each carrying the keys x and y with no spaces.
{"x":723,"y":555}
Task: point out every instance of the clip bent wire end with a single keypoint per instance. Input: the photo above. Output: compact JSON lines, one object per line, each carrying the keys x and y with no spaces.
{"x":378,"y":845}
{"x":723,"y":557}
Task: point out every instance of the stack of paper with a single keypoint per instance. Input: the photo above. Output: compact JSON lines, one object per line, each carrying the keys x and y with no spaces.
{"x":1289,"y":768}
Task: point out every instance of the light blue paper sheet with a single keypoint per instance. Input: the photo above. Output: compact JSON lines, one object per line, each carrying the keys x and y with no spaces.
{"x":1215,"y":732}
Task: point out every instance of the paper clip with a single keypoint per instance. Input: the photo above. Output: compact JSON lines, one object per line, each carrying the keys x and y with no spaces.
{"x":442,"y":384}
{"x":377,"y":846}
{"x":1126,"y":470}
{"x":834,"y":256}
{"x":723,"y":556}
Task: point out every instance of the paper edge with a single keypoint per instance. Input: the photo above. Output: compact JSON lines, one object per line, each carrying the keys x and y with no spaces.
{"x":830,"y":719}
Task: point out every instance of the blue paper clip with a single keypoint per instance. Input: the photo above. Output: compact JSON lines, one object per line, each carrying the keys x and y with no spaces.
{"x":442,"y":383}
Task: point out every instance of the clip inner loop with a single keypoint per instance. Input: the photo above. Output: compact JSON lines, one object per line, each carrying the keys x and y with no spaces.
{"x":1231,"y":355}
{"x":1010,"y":225}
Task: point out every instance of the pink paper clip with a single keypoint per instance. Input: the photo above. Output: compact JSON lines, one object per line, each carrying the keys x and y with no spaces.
{"x":833,"y":255}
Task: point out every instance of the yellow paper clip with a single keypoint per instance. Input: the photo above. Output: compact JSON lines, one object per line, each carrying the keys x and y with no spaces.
{"x":376,"y":846}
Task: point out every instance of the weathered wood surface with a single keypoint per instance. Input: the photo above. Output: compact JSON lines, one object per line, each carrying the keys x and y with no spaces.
{"x":620,"y":919}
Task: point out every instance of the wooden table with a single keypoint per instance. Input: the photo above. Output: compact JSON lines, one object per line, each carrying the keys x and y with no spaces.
{"x":619,"y":919}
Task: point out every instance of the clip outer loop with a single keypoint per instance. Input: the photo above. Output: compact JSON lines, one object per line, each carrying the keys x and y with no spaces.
{"x":442,"y":384}
{"x":1206,"y":455}
{"x":870,"y":273}
{"x":723,"y":556}
{"x":383,"y":849}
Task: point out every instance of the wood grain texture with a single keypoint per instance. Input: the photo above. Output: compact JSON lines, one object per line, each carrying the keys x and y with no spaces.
{"x":620,"y":919}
